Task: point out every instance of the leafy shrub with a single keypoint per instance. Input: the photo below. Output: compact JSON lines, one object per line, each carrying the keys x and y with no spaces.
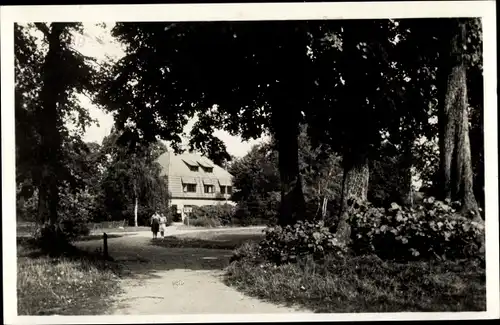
{"x":203,"y":222}
{"x":257,"y":209}
{"x":431,"y":230}
{"x":221,"y":215}
{"x":389,"y":178}
{"x":27,"y":206}
{"x":286,"y":244}
{"x":52,"y":239}
{"x":75,"y":211}
{"x":249,"y":250}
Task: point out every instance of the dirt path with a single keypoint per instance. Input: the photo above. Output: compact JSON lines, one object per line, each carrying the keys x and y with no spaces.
{"x":163,"y":280}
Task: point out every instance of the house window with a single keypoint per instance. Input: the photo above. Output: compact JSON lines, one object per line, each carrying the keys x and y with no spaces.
{"x":208,"y":188}
{"x":190,"y":188}
{"x":208,"y":169}
{"x":229,"y":190}
{"x":193,"y":168}
{"x":222,"y":189}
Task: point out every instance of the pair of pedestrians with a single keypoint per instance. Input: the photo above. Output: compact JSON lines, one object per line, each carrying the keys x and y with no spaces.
{"x":158,"y":223}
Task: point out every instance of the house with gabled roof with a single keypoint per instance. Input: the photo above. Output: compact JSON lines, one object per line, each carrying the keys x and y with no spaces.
{"x":194,"y":180}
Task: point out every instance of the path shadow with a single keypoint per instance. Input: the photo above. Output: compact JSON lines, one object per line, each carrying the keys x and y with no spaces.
{"x":99,"y":236}
{"x":28,"y":248}
{"x":141,"y":257}
{"x":218,"y":241}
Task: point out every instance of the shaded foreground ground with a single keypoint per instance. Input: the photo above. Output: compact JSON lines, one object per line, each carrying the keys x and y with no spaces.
{"x":78,"y":284}
{"x":180,"y":275}
{"x":183,"y":274}
{"x":366,"y":284}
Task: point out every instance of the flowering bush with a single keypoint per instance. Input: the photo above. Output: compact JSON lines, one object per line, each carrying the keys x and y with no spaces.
{"x":285,"y":244}
{"x":432,"y":229}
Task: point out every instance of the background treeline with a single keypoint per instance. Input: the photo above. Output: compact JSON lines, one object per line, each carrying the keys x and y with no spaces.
{"x":115,"y":185}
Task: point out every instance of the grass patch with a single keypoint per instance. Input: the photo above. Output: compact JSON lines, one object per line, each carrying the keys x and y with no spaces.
{"x":99,"y":236}
{"x":125,"y":229}
{"x":208,"y":222}
{"x":78,"y":284}
{"x":211,"y":241}
{"x":25,"y":228}
{"x":363,"y":284}
{"x":205,"y":222}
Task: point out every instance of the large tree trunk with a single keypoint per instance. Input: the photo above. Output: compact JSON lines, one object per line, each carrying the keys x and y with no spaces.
{"x":287,"y":100}
{"x":50,"y":143}
{"x":357,"y":127}
{"x":42,"y":208}
{"x":292,"y":206}
{"x":456,"y":166}
{"x":285,"y":125}
{"x":354,"y":190}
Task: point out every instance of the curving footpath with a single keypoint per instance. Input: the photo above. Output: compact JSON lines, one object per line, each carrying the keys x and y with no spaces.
{"x":166,"y":281}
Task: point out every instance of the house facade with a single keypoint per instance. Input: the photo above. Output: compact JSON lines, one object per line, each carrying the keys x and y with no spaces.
{"x":194,"y":180}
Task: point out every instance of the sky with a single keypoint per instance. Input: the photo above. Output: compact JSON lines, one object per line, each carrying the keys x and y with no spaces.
{"x":97,"y":42}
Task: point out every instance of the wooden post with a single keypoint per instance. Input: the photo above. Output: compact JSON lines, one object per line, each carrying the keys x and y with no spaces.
{"x":105,"y":248}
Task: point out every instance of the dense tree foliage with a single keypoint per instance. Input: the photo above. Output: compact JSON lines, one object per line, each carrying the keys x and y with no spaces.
{"x":48,"y":76}
{"x":383,"y":100}
{"x":132,"y":184}
{"x":257,"y":178}
{"x":256,"y":89}
{"x":61,"y":179}
{"x":388,"y":97}
{"x":387,"y":178}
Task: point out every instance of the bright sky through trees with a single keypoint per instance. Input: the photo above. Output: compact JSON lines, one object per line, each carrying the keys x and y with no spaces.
{"x":97,"y":42}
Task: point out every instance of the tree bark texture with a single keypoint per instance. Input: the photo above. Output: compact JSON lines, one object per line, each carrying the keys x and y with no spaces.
{"x":354,"y":190}
{"x":455,"y":153}
{"x":356,"y":114}
{"x":50,"y":144}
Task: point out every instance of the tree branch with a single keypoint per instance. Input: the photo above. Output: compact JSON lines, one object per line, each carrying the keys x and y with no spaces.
{"x":44,"y":29}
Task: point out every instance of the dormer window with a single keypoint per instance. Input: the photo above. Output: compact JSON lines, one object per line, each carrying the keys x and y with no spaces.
{"x":193,"y":166}
{"x":207,"y":166}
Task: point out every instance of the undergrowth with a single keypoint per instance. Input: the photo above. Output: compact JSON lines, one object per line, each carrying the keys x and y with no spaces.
{"x":426,"y":258}
{"x":361,"y":284}
{"x":74,"y":283}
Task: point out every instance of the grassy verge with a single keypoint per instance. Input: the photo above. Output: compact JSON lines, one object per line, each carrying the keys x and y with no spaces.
{"x":125,"y":229}
{"x":364,"y":284}
{"x":73,"y":285}
{"x":215,"y":240}
{"x":99,"y":236}
{"x":207,"y":222}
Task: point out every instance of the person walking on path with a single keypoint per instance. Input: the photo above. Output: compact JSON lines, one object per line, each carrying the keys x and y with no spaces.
{"x":163,"y":225}
{"x":155,"y":224}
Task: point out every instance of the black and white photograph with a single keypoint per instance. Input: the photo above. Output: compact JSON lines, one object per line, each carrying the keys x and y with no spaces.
{"x":235,"y":162}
